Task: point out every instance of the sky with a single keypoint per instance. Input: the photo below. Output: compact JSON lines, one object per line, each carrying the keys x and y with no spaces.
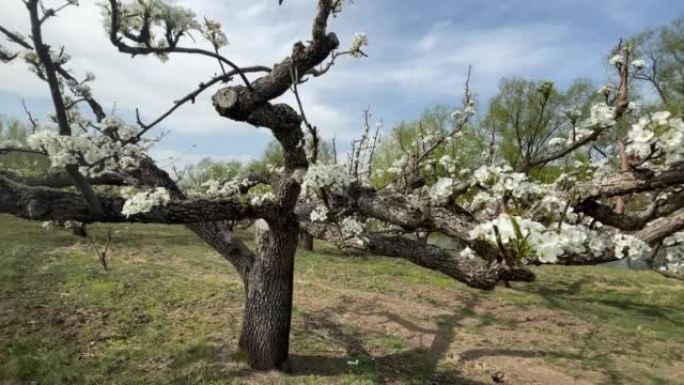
{"x":418,"y":55}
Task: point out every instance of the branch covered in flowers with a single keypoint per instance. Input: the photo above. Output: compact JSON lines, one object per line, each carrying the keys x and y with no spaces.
{"x":151,"y":206}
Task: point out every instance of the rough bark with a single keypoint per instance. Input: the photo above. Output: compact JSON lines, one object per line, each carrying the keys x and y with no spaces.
{"x":61,"y":179}
{"x":630,"y":222}
{"x":268,"y":303}
{"x":39,"y":203}
{"x":662,"y":228}
{"x":627,"y":183}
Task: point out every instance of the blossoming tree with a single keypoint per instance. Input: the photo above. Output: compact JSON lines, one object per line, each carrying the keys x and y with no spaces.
{"x":501,"y":219}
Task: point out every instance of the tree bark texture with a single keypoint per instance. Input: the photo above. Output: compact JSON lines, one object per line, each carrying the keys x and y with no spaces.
{"x":268,"y":303}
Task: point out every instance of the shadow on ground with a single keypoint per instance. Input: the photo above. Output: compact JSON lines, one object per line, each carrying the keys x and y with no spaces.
{"x":414,"y":366}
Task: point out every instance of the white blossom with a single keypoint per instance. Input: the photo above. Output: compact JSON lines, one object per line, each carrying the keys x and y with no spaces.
{"x":639,"y":64}
{"x":661,"y":117}
{"x":630,"y":246}
{"x":557,"y":142}
{"x":605,"y":90}
{"x":144,"y":202}
{"x":333,"y":178}
{"x":545,"y":245}
{"x":261,"y":199}
{"x":94,"y":154}
{"x":319,"y":214}
{"x":601,"y":115}
{"x":211,"y":30}
{"x":442,"y":190}
{"x":468,"y":253}
{"x":445,"y":161}
{"x":9,"y":144}
{"x":616,"y":59}
{"x":351,"y":227}
{"x":359,"y":41}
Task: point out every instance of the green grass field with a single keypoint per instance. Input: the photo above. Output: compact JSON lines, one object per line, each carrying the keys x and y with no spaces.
{"x":169,"y":312}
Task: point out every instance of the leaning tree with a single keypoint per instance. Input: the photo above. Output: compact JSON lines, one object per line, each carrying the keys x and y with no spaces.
{"x":624,"y":200}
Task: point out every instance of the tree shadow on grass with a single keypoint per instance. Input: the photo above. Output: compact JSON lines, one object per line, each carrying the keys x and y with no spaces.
{"x":570,"y":297}
{"x":217,"y":360}
{"x":414,"y":366}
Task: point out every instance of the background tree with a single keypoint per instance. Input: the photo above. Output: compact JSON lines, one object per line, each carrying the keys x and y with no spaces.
{"x":22,"y":163}
{"x":660,"y":67}
{"x":525,"y":115}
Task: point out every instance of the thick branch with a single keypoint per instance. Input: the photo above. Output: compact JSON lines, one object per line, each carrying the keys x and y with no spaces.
{"x":62,"y":179}
{"x":630,"y":222}
{"x":216,"y":234}
{"x":662,"y":228}
{"x":626,"y":183}
{"x":252,"y":105}
{"x":474,"y":272}
{"x":39,"y":203}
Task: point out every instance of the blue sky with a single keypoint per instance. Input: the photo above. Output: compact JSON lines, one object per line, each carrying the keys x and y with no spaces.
{"x":418,"y":55}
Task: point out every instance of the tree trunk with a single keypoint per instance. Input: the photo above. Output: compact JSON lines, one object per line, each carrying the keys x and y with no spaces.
{"x":268,"y":308}
{"x":79,"y":230}
{"x":306,"y":241}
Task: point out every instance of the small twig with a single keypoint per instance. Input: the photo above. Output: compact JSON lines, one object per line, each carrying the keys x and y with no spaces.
{"x":191,"y":98}
{"x":102,"y":255}
{"x":34,"y":123}
{"x":311,"y":128}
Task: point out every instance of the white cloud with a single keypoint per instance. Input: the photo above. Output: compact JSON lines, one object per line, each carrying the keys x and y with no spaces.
{"x":409,"y":64}
{"x":437,"y":61}
{"x":146,"y":83}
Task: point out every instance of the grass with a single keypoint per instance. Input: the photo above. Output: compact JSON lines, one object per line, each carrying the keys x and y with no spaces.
{"x":169,"y":312}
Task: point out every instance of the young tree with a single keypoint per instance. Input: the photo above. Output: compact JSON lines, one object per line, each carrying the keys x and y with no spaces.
{"x":661,"y":66}
{"x":524,"y":115}
{"x":502,"y":219}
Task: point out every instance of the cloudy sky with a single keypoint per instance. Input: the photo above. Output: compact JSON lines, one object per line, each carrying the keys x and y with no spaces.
{"x":418,"y":55}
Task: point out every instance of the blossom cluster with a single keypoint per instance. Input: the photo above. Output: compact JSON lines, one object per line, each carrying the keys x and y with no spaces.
{"x":145,"y":201}
{"x":134,"y":14}
{"x":630,"y":246}
{"x":660,"y":132}
{"x":495,"y":182}
{"x":601,"y":115}
{"x":263,"y":198}
{"x":535,"y":241}
{"x":174,"y":21}
{"x":6,"y":144}
{"x":352,"y":227}
{"x":329,"y":177}
{"x":359,"y":41}
{"x":441,"y":191}
{"x":214,"y":188}
{"x":319,"y":214}
{"x":94,"y":154}
{"x":673,"y":249}
{"x":211,"y":30}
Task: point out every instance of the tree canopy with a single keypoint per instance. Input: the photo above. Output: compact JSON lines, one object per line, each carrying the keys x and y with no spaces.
{"x":483,"y":184}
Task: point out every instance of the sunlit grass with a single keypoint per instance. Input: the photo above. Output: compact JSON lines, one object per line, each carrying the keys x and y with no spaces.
{"x":169,"y":312}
